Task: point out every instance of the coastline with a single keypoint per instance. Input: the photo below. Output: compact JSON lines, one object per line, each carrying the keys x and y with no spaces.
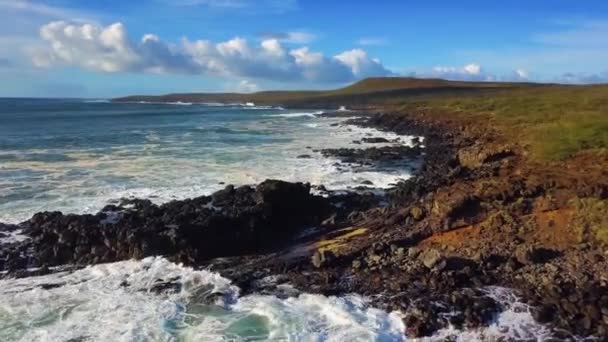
{"x":446,"y":234}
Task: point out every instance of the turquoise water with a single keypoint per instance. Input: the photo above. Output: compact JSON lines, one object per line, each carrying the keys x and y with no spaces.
{"x":77,"y":155}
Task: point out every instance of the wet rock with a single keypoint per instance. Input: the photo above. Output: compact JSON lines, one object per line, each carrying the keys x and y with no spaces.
{"x":375,"y":140}
{"x":544,"y":313}
{"x":232,"y":221}
{"x":385,"y":154}
{"x":304,"y":156}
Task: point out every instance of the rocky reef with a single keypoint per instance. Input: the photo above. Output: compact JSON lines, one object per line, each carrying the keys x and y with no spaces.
{"x":478,"y":213}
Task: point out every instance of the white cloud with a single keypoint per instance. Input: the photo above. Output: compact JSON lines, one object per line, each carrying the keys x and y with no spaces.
{"x":472,"y":69}
{"x":109,"y":49}
{"x":369,"y":41}
{"x":469,"y":72}
{"x":360,"y":64}
{"x":577,"y":46}
{"x":246,"y":86}
{"x":472,"y":72}
{"x":522,"y":74}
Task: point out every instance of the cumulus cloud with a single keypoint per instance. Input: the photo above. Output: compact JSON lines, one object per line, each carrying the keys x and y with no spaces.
{"x":109,"y":49}
{"x":361,"y":64}
{"x":521,"y":73}
{"x":246,"y":86}
{"x":472,"y":72}
{"x":469,"y":72}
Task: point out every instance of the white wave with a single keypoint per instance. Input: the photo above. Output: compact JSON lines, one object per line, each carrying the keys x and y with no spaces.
{"x":175,"y":103}
{"x":179,"y":103}
{"x":214,"y":104}
{"x":515,"y":323}
{"x":117,"y":302}
{"x":262,"y":107}
{"x":12,"y":237}
{"x":297,"y":115}
{"x":97,"y":101}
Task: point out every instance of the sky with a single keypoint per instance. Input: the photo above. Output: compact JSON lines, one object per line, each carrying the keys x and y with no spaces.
{"x":107,"y":48}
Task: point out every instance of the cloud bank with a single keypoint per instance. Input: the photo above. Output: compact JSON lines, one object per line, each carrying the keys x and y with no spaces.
{"x":469,"y":72}
{"x":109,"y":49}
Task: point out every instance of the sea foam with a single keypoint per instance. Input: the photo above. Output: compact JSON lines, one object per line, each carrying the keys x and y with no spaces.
{"x":119,"y":302}
{"x":157,"y":300}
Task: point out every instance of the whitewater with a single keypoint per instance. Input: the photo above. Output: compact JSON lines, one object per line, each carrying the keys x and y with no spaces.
{"x":131,"y":301}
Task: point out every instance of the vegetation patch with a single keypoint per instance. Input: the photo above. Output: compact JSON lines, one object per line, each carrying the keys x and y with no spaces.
{"x":591,"y":219}
{"x":553,"y":122}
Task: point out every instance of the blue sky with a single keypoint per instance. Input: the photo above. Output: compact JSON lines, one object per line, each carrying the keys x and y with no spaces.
{"x":110,"y":48}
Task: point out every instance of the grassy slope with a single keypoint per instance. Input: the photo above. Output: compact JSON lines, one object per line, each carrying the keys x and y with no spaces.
{"x":375,"y":90}
{"x":553,"y":121}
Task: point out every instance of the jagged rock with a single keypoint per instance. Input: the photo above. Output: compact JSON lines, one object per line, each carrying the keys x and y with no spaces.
{"x":413,"y":252}
{"x":232,"y":221}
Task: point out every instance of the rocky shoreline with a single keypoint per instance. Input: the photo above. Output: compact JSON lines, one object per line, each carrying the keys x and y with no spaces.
{"x":476,"y":214}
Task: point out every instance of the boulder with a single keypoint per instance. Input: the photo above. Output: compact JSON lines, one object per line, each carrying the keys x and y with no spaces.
{"x":375,"y":140}
{"x":477,"y":155}
{"x":534,"y":255}
{"x":321,"y":258}
{"x":431,"y":258}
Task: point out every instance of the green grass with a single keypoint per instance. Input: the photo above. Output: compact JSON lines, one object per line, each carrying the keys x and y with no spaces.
{"x":554,"y":122}
{"x":591,"y":219}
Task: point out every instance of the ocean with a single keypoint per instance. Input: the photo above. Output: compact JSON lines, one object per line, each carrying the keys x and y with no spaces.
{"x":76,"y":156}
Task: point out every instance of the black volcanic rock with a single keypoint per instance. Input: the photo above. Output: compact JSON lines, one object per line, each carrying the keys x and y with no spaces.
{"x":375,"y":140}
{"x":232,"y":221}
{"x":374,"y":154}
